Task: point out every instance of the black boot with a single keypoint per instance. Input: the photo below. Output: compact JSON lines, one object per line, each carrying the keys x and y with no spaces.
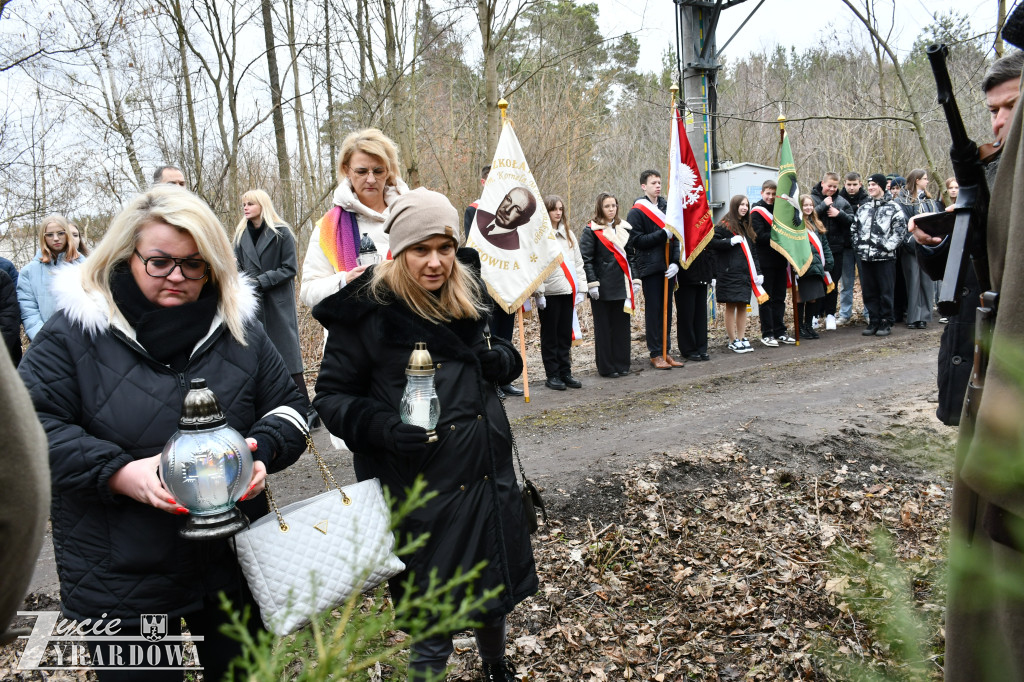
{"x":499,"y":672}
{"x":884,"y":330}
{"x":870,"y":331}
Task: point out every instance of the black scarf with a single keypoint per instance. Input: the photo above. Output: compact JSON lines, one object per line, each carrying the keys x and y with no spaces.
{"x":168,"y":334}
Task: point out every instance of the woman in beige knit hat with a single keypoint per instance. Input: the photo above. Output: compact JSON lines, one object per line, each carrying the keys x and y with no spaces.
{"x":431,"y":292}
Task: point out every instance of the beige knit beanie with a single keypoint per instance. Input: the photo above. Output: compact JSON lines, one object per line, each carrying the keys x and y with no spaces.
{"x":419,"y":215}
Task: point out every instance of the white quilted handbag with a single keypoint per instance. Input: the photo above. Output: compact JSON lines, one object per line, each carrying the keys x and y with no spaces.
{"x":313,"y":554}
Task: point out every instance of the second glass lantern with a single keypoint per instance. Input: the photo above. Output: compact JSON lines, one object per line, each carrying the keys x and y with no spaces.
{"x":420,"y":405}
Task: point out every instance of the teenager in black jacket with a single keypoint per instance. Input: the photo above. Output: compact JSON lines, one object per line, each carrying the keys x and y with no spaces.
{"x":732,"y":271}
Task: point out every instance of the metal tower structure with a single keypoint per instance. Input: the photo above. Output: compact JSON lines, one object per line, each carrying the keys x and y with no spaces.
{"x":697,"y":68}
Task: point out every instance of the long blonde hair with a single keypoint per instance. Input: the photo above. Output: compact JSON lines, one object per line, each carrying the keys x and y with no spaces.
{"x":179,"y":208}
{"x":460,"y":297}
{"x":813,"y":219}
{"x":70,"y":250}
{"x":268,"y":215}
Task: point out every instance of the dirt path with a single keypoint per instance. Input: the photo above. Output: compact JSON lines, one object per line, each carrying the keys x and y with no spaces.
{"x":823,"y":396}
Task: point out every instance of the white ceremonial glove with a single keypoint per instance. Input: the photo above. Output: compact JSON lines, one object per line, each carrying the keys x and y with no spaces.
{"x":595,"y":293}
{"x":760,"y":280}
{"x":736,"y":239}
{"x":579,"y":298}
{"x":714,"y":281}
{"x":636,"y":290}
{"x":672,"y":271}
{"x":542,"y":302}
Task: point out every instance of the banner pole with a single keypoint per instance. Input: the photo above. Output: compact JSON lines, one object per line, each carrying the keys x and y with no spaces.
{"x":668,"y":242}
{"x":522,"y":352}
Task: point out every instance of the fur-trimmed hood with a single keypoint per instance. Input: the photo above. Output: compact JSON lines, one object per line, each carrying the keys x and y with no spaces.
{"x":90,"y":311}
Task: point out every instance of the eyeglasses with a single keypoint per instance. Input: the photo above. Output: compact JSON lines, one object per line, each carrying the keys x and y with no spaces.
{"x":163,"y":266}
{"x":55,"y":235}
{"x":363,"y":172}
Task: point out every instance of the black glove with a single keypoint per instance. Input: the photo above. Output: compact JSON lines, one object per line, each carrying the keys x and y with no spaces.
{"x":491,"y":364}
{"x":405,"y":440}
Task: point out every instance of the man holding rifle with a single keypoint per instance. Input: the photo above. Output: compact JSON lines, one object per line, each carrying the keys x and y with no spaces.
{"x":985,"y":607}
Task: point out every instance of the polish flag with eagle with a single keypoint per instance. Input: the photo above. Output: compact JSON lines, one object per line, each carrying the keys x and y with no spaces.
{"x":688,"y":215}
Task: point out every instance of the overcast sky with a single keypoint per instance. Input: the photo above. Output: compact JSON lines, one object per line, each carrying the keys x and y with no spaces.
{"x":785,"y":22}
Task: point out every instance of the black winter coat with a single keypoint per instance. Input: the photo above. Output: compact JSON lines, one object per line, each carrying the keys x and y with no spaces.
{"x":855,"y":201}
{"x":700,"y":272}
{"x":602,"y":269}
{"x":10,"y":317}
{"x":839,"y":226}
{"x":271,"y":263}
{"x":732,"y":273}
{"x":815,"y":269}
{"x":766,"y":255}
{"x":478,"y":512}
{"x":104,"y":401}
{"x":646,"y":245}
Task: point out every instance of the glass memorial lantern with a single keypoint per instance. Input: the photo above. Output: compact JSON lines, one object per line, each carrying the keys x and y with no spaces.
{"x":207,"y":466}
{"x":420,"y":405}
{"x":368,"y":254}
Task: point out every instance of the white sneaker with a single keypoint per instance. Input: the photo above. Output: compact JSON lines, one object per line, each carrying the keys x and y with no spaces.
{"x":814,"y":322}
{"x":830,"y":322}
{"x":787,"y":339}
{"x":736,"y":346}
{"x":747,"y":348}
{"x":769,"y":341}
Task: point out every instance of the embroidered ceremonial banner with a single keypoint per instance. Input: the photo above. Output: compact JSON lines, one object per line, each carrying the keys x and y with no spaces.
{"x":816,"y":245}
{"x":511,"y":230}
{"x":788,"y":236}
{"x":628,"y":305}
{"x":688,"y":214}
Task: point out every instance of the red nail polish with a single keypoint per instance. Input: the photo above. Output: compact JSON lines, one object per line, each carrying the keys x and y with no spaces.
{"x":181,"y":510}
{"x":170,"y":500}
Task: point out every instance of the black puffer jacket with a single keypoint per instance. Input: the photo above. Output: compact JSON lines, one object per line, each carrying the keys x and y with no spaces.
{"x":104,"y":401}
{"x":732,"y":273}
{"x":766,"y":255}
{"x":10,"y":317}
{"x":855,"y":201}
{"x":839,"y":226}
{"x":602,"y":269}
{"x":646,"y":246}
{"x":478,"y":512}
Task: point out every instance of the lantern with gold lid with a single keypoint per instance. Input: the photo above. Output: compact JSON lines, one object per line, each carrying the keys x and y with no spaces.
{"x":420,"y":406}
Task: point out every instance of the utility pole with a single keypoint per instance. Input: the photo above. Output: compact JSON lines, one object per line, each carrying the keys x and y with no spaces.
{"x":697,"y":68}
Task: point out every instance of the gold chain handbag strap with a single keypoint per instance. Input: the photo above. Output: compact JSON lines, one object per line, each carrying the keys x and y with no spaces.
{"x":325,"y":474}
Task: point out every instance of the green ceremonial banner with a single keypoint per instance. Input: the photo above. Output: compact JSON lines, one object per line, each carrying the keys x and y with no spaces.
{"x":788,"y":234}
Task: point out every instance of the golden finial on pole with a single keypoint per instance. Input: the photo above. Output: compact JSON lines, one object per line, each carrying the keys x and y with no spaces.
{"x":782,"y":121}
{"x":503,"y":105}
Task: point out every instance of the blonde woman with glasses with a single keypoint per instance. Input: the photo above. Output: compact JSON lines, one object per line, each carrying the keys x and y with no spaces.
{"x":158,"y":304}
{"x":35,"y":281}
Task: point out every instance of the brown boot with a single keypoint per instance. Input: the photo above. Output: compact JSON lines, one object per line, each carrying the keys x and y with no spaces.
{"x":675,"y":363}
{"x":659,"y":363}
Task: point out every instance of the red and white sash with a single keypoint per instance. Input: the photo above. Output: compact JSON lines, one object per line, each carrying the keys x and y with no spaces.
{"x":577,"y":331}
{"x":759,"y":293}
{"x":620,"y":257}
{"x":650,"y":210}
{"x":812,"y":236}
{"x":763,"y":212}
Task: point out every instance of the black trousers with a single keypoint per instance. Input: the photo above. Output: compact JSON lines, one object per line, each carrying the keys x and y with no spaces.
{"x":877,"y":282}
{"x":692,"y":321}
{"x":611,"y":336}
{"x":807,"y":311}
{"x":654,"y":302}
{"x":502,"y":324}
{"x":832,"y":298}
{"x":216,"y":651}
{"x":556,"y":335}
{"x":773,"y":312}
